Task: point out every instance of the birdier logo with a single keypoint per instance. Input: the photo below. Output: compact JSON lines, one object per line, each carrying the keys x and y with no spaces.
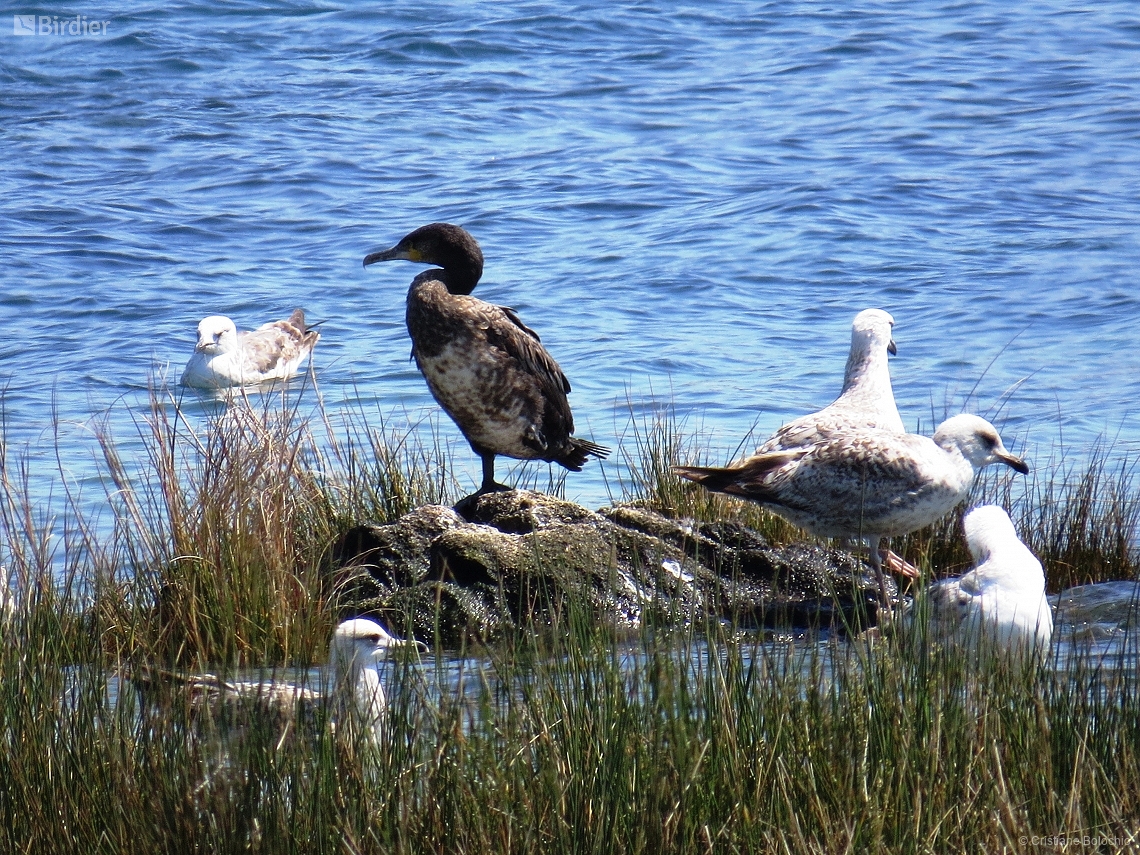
{"x":53,"y":25}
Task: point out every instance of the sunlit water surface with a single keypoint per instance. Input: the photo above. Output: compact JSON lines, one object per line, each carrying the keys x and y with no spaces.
{"x":689,"y":204}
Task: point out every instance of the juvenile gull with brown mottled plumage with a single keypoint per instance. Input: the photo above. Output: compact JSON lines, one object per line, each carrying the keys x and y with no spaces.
{"x":866,"y":401}
{"x":866,"y":483}
{"x":487,"y":370}
{"x":225,"y":358}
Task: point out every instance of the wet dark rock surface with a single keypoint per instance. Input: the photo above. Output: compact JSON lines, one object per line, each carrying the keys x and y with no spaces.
{"x":523,"y":556}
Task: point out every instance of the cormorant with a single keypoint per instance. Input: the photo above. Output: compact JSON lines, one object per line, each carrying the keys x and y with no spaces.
{"x":487,"y":369}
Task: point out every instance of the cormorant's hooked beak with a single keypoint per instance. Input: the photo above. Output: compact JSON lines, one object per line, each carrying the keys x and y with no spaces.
{"x":396,"y":253}
{"x":891,"y":348}
{"x":1013,"y":462}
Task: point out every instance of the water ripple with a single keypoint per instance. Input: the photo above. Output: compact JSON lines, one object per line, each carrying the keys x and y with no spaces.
{"x":688,"y":203}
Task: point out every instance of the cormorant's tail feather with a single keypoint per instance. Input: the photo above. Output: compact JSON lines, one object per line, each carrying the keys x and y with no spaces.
{"x":578,"y":451}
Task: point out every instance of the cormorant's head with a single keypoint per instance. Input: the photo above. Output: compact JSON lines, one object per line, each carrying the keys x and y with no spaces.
{"x":451,"y":247}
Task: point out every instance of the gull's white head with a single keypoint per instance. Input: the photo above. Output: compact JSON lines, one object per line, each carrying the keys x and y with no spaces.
{"x":356,"y":646}
{"x":871,"y":332}
{"x":361,"y":642}
{"x":216,"y":334}
{"x":978,"y":441}
{"x":1009,"y":582}
{"x":988,"y":528}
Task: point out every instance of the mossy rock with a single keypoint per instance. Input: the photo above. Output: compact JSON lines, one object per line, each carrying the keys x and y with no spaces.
{"x":522,"y":557}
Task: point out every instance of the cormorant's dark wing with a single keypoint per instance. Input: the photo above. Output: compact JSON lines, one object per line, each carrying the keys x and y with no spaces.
{"x":545,"y":386}
{"x":506,"y":332}
{"x":514,"y":316}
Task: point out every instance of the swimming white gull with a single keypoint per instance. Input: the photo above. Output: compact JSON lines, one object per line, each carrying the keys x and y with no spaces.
{"x":1000,"y":605}
{"x":866,"y":401}
{"x":225,"y":358}
{"x":867,"y":483}
{"x":357,"y":693}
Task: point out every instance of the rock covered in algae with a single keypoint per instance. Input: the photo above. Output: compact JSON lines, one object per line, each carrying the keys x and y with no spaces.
{"x":523,"y":556}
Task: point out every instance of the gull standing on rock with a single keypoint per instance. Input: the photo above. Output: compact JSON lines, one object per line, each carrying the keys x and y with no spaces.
{"x":866,"y":483}
{"x":867,"y":400}
{"x":1000,"y":605}
{"x":487,"y":370}
{"x":225,"y":358}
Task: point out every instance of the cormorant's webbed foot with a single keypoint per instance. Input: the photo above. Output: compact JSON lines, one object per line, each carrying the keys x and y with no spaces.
{"x":465,"y":507}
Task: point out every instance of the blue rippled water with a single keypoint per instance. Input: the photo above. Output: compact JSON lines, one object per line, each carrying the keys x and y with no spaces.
{"x":689,"y":203}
